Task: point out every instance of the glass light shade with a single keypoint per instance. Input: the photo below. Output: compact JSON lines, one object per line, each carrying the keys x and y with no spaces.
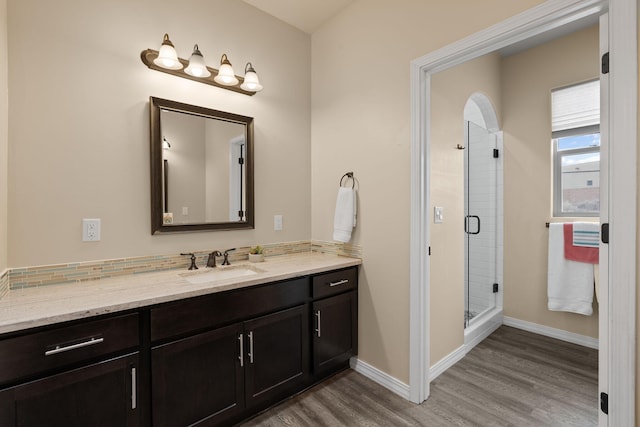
{"x":197,"y":67}
{"x":167,"y":56}
{"x":226,"y":76}
{"x":251,"y":82}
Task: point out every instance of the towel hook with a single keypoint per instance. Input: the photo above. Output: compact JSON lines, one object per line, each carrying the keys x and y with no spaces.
{"x":348,"y":175}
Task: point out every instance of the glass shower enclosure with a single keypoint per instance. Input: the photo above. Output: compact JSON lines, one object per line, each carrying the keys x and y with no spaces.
{"x":480,"y":221}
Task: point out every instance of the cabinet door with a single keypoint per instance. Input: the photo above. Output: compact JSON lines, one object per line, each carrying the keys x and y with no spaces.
{"x":198,"y":380}
{"x":101,"y":394}
{"x":277,"y":361}
{"x":335,"y":336}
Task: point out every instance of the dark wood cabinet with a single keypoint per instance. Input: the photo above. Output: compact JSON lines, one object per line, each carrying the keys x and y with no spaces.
{"x":335,"y":334}
{"x":207,"y":361}
{"x":198,"y":380}
{"x":335,"y":320}
{"x":212,"y":377}
{"x":100,"y":394}
{"x":277,"y":357}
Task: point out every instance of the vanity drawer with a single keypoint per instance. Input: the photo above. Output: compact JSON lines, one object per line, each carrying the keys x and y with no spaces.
{"x":335,"y":282}
{"x":30,"y":354}
{"x":211,"y":311}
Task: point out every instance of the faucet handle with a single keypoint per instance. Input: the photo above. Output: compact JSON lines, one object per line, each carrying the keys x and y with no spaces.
{"x":225,"y":261}
{"x":193,"y":265}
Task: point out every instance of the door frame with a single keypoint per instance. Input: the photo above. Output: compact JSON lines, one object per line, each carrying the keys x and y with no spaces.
{"x":622,"y":182}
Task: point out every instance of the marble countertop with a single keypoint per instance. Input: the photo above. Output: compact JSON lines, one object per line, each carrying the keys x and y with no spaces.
{"x":31,"y":307}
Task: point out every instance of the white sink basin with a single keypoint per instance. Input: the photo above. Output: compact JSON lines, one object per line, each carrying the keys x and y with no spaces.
{"x":220,"y":273}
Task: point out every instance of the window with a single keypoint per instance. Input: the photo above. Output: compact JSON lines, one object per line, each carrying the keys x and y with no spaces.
{"x":576,"y":149}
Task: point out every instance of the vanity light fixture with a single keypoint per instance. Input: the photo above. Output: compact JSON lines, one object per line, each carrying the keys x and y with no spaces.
{"x":197,"y":67}
{"x":251,"y":81}
{"x":167,"y":56}
{"x":167,"y":61}
{"x":226,"y":76}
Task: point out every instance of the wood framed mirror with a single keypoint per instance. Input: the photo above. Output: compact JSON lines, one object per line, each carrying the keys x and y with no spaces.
{"x":201,"y":168}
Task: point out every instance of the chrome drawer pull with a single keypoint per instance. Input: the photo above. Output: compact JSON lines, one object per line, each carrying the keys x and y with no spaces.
{"x":318,"y":328}
{"x":251,"y":347}
{"x":241,"y":357}
{"x":134,"y":393}
{"x":59,"y":349}
{"x":341,"y":282}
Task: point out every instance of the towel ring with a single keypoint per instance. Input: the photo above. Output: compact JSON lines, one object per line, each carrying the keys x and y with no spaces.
{"x":348,"y":175}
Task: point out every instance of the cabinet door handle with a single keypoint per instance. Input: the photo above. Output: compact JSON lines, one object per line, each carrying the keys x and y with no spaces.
{"x":134,"y":400}
{"x":251,"y":347}
{"x":87,"y":343}
{"x":318,"y":328}
{"x":338,"y":283}
{"x":241,"y":357}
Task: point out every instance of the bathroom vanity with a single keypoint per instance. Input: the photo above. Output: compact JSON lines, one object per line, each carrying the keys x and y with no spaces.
{"x":209,"y":354}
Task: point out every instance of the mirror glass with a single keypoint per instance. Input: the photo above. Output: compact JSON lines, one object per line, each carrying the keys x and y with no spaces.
{"x":201,"y":168}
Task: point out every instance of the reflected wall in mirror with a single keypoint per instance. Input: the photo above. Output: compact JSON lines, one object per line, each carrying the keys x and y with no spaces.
{"x":201,"y":168}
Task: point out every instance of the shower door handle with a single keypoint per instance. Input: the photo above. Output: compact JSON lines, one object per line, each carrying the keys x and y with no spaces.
{"x":466,"y":222}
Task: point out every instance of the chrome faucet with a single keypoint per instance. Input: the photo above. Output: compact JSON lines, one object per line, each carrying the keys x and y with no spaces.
{"x":211,"y":262}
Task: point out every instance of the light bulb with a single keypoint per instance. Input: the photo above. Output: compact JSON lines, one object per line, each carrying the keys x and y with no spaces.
{"x":226,"y":76}
{"x":167,"y":56}
{"x":197,"y":67}
{"x":251,"y":82}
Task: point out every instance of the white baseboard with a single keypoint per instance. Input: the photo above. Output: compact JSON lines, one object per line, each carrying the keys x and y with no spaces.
{"x":382,"y":378}
{"x":476,"y":333}
{"x":402,"y":389}
{"x":548,"y":331}
{"x":446,"y":362}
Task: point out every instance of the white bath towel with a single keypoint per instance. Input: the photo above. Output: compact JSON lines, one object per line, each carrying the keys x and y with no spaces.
{"x":569,"y":283}
{"x":345,"y":216}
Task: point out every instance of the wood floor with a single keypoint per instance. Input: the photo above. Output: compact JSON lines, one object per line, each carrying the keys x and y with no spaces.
{"x":513,"y":378}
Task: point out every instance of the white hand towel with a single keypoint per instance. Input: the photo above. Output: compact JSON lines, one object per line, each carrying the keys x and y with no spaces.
{"x":345,"y":216}
{"x":570,"y":283}
{"x":586,"y":234}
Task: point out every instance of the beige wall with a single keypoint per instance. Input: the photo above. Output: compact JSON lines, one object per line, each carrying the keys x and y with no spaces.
{"x":79,"y":134}
{"x":3,"y":135}
{"x":527,"y":82}
{"x":450,"y":91}
{"x":361,"y":123}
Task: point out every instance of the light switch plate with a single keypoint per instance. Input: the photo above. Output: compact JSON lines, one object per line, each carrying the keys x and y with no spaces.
{"x":277,"y":222}
{"x":438,"y":214}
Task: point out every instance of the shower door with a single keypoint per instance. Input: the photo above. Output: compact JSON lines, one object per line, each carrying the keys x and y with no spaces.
{"x":480,"y":222}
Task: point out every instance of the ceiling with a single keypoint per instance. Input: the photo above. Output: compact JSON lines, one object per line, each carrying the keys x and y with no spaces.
{"x":306,"y":15}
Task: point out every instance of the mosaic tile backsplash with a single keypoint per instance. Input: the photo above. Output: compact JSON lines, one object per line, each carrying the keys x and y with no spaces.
{"x":17,"y":278}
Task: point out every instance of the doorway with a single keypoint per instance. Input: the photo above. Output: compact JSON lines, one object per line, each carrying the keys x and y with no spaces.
{"x":621,"y":190}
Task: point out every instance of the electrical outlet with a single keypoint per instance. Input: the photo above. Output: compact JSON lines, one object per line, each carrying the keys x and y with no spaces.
{"x":91,"y":230}
{"x":277,"y":222}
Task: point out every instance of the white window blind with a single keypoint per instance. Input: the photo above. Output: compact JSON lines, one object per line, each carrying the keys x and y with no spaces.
{"x":576,"y":106}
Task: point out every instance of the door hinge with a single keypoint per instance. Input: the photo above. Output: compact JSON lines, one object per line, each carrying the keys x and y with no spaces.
{"x":604,"y":232}
{"x":604,"y":403}
{"x":495,"y":288}
{"x":429,"y":250}
{"x":240,"y":214}
{"x":496,"y":153}
{"x":241,"y":160}
{"x":605,"y":63}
